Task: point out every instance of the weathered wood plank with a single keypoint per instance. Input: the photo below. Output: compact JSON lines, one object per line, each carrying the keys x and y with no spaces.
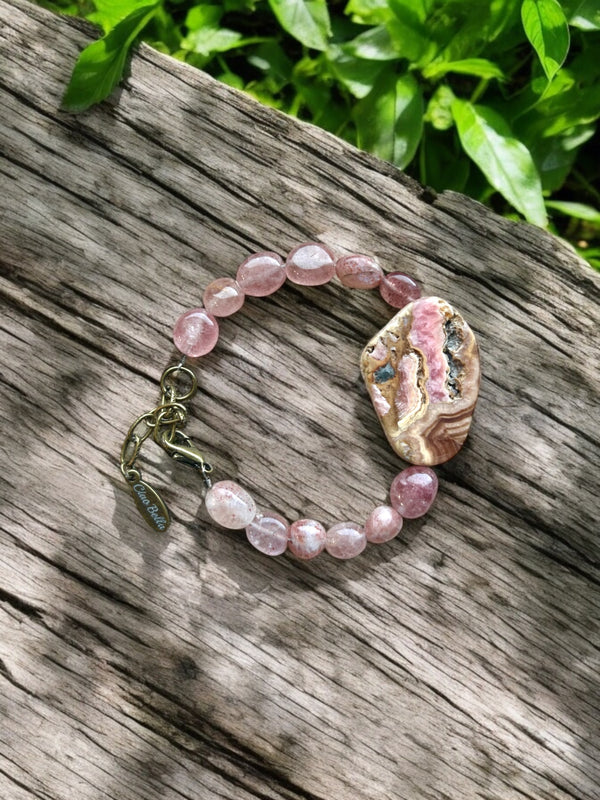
{"x":460,"y":661}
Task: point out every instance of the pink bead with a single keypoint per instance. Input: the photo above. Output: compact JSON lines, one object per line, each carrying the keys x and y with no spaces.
{"x":223,"y":297}
{"x":230,"y":505}
{"x":345,"y":540}
{"x":307,"y":538}
{"x":196,"y":332}
{"x":413,"y":491}
{"x":398,"y":289}
{"x":268,"y":532}
{"x":261,"y":274}
{"x":310,"y":264}
{"x":383,"y":523}
{"x":359,"y":272}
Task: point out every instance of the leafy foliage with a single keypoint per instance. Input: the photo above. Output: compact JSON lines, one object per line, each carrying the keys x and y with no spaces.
{"x":495,"y":98}
{"x":100,"y":66}
{"x":547,"y":29}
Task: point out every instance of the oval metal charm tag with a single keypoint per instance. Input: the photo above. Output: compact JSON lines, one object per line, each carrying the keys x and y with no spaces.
{"x":150,"y":505}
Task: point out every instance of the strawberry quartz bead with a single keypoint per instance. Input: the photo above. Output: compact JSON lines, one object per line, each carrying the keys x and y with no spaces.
{"x":268,"y":532}
{"x":196,"y":332}
{"x":383,"y":523}
{"x":230,"y":505}
{"x":398,"y":289}
{"x":310,"y":264}
{"x":223,"y":297}
{"x":307,"y":538}
{"x":359,"y":272}
{"x":261,"y":274}
{"x":345,"y":540}
{"x":413,"y":491}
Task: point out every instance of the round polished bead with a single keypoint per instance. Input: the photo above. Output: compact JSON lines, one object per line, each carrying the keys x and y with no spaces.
{"x":359,"y":272}
{"x":261,"y":274}
{"x":310,"y":264}
{"x":306,"y":538}
{"x":196,"y":332}
{"x":383,"y":523}
{"x":268,"y":532}
{"x":345,"y":540}
{"x":398,"y":289}
{"x":223,"y":297}
{"x":413,"y":491}
{"x":230,"y":505}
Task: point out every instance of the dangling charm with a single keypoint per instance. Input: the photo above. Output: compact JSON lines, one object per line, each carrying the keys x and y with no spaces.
{"x":422,"y":373}
{"x":164,"y":423}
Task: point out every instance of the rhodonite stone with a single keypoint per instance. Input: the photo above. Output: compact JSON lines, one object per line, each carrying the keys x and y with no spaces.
{"x":422,"y":373}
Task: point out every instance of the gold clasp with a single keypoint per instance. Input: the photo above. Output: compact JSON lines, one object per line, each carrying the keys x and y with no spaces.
{"x":164,"y":423}
{"x":181,"y":449}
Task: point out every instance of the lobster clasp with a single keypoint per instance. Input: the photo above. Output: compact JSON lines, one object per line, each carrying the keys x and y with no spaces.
{"x":180,"y":448}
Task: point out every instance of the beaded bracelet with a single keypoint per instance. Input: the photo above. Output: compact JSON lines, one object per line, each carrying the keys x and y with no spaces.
{"x":421,"y":371}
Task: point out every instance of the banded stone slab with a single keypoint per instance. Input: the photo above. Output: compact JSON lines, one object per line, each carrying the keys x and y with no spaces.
{"x":422,"y":372}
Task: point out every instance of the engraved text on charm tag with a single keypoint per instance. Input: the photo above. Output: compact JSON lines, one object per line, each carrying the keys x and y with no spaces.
{"x":150,"y":505}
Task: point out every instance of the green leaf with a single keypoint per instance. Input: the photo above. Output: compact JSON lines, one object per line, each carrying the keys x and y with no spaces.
{"x":554,"y":155}
{"x":555,"y":114}
{"x":480,"y":67}
{"x":389,"y":120}
{"x":202,"y":16}
{"x":206,"y":36}
{"x":374,"y":44}
{"x":356,"y":74}
{"x":546,"y":28}
{"x":109,"y":13}
{"x":100,"y":66}
{"x":409,"y":34}
{"x":305,"y":20}
{"x":313,"y":93}
{"x":368,"y":12}
{"x":583,"y":14}
{"x":503,"y":159}
{"x":459,"y":28}
{"x":504,"y":17}
{"x":231,"y":79}
{"x":439,"y":109}
{"x":271,"y":59}
{"x":412,"y":12}
{"x":577,"y":210}
{"x":211,"y":39}
{"x":442,"y":165}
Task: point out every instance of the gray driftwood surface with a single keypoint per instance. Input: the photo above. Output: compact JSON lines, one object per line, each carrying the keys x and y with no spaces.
{"x":459,"y":661}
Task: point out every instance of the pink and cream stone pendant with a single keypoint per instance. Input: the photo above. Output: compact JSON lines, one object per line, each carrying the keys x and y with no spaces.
{"x":422,"y":373}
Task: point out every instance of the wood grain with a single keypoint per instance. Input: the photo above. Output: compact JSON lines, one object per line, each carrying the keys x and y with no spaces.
{"x":460,"y":661}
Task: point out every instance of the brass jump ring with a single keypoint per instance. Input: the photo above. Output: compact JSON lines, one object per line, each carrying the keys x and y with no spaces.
{"x":177,"y":370}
